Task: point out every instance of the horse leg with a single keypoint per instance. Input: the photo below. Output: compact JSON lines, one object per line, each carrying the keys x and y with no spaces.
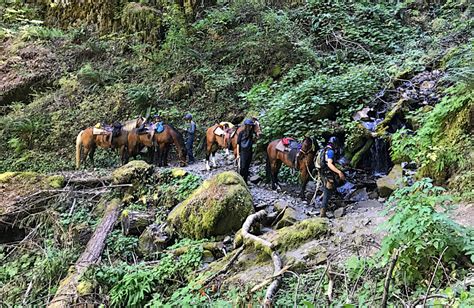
{"x":165,"y":156}
{"x":208,"y":154}
{"x":214,"y":163}
{"x":161,"y":154}
{"x":275,"y":169}
{"x":91,"y":155}
{"x":123,"y":155}
{"x":304,"y":182}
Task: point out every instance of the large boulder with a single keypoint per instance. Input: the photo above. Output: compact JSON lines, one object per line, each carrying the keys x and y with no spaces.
{"x":218,"y":207}
{"x":387,"y":184}
{"x":132,"y":171}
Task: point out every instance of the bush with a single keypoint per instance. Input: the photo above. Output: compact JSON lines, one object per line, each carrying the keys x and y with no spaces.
{"x":422,"y":235}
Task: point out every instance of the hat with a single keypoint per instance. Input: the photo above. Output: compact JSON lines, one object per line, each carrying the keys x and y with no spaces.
{"x":249,"y":122}
{"x":188,"y":116}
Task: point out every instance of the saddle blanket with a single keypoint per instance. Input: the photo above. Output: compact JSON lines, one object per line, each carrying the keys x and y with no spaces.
{"x":219,"y":131}
{"x":287,"y":145}
{"x":100,"y":131}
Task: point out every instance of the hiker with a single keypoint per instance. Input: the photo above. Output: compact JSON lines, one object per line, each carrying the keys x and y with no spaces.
{"x":190,"y":132}
{"x":328,"y":172}
{"x":244,"y":148}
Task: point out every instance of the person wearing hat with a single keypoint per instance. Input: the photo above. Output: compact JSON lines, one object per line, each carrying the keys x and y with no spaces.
{"x":328,"y":172}
{"x":244,"y":148}
{"x":190,"y":132}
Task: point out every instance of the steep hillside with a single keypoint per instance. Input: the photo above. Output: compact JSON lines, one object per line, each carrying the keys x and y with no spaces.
{"x":392,"y":80}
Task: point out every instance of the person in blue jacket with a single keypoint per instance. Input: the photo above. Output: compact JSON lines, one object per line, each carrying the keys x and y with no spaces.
{"x":328,"y":172}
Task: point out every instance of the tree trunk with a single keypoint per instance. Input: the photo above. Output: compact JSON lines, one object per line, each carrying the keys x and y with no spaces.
{"x":67,"y":291}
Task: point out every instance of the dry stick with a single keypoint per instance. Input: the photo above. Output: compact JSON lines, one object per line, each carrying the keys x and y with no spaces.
{"x":434,"y":274}
{"x":319,"y":282}
{"x":279,"y":216}
{"x":226,"y":268}
{"x":393,"y":261}
{"x":276,"y":283}
{"x":269,"y":279}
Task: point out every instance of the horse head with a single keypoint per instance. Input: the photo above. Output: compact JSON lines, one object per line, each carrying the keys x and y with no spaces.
{"x":307,"y":145}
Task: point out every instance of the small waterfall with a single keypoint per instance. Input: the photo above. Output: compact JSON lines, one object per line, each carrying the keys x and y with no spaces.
{"x":379,"y":158}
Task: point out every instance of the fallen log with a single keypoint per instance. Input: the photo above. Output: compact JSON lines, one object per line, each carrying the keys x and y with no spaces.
{"x":67,"y":291}
{"x":268,"y":248}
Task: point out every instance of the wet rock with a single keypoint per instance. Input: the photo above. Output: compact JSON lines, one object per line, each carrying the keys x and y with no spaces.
{"x":339,"y":212}
{"x":409,"y":166}
{"x":288,"y":218}
{"x":359,"y":195}
{"x":362,"y":115}
{"x":387,"y":184}
{"x":368,"y":204}
{"x":373,"y":194}
{"x":133,"y":171}
{"x":153,"y":239}
{"x":255,"y":179}
{"x":218,"y":207}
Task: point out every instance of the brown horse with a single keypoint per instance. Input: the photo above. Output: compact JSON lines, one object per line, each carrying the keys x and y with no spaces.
{"x":163,"y":140}
{"x":89,"y":142}
{"x":215,"y":142}
{"x":304,"y":163}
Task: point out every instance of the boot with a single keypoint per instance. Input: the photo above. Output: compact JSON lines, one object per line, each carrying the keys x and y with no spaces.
{"x":322,"y":213}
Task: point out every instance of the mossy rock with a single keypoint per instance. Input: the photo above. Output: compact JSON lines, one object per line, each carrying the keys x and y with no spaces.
{"x":293,"y":236}
{"x":178,"y":172}
{"x":133,"y":171}
{"x":387,"y":184}
{"x":218,"y":207}
{"x":29,"y":178}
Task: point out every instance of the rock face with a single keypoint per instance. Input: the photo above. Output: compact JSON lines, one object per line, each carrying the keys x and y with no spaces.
{"x":387,"y":184}
{"x":153,"y":239}
{"x":218,"y":207}
{"x":134,"y":170}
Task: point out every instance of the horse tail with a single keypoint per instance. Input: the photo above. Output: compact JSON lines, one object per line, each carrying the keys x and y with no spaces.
{"x":78,"y":149}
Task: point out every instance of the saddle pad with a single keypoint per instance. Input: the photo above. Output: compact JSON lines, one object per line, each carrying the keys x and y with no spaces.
{"x":280,"y":147}
{"x":219,"y":131}
{"x":100,"y":131}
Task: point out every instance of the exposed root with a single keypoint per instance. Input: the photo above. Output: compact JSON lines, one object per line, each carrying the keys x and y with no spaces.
{"x":268,"y":247}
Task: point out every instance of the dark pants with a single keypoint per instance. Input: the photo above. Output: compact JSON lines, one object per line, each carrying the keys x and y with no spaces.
{"x":327,"y":192}
{"x":189,"y":147}
{"x":245,"y":160}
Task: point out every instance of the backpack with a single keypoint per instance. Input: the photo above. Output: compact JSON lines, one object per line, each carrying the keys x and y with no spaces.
{"x":320,"y":161}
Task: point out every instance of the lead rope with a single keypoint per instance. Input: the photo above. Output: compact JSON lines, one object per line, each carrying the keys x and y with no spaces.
{"x":316,"y":180}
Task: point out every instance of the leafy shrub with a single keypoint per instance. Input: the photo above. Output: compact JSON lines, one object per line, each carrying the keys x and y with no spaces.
{"x":422,"y":234}
{"x":135,"y":288}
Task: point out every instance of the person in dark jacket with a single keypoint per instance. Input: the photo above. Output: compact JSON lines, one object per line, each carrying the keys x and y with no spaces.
{"x":190,"y":132}
{"x":244,"y":148}
{"x":329,"y":172}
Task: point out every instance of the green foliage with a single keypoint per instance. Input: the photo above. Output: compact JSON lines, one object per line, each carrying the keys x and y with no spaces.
{"x":422,"y":233}
{"x":122,"y":247}
{"x":135,"y":287}
{"x":30,"y":33}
